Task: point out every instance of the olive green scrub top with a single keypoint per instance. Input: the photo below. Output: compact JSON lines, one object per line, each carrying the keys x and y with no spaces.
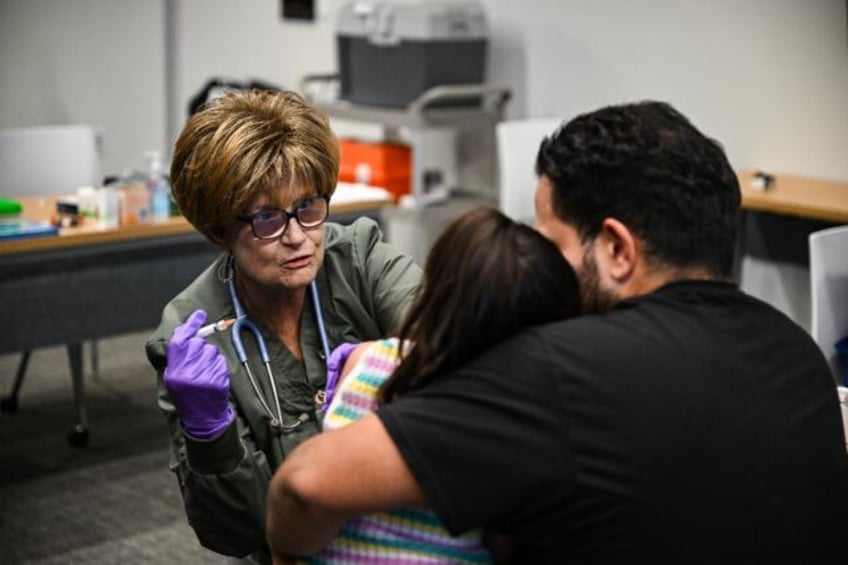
{"x":365,"y":285}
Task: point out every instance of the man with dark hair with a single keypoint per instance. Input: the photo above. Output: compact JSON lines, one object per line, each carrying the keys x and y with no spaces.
{"x":682,"y":421}
{"x":648,"y":168}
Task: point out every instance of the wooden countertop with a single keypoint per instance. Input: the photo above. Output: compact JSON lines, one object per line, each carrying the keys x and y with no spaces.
{"x":797,"y":196}
{"x":347,"y":199}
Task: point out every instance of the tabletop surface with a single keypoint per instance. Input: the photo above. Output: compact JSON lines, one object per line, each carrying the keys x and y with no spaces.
{"x":788,"y":194}
{"x":792,"y":195}
{"x":348,"y":198}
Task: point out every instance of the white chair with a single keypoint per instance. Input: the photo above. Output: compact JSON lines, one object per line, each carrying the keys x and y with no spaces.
{"x":829,"y":291}
{"x":518,"y":143}
{"x":842,"y":392}
{"x":47,"y":161}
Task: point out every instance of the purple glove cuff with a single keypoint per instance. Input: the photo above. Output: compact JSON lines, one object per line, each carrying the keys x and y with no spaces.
{"x":334,"y":370}
{"x":211,"y":429}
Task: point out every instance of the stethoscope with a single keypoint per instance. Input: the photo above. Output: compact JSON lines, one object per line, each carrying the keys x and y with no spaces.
{"x":243,"y":323}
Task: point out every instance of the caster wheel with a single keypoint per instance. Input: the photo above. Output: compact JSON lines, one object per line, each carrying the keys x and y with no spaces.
{"x":9,"y":404}
{"x":78,"y":437}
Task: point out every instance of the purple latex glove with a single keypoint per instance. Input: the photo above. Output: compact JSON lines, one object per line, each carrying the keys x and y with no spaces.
{"x":198,"y":381}
{"x":335,"y":364}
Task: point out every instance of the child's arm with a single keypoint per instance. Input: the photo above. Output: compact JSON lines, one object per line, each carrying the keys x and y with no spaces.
{"x":353,"y":359}
{"x":341,"y":362}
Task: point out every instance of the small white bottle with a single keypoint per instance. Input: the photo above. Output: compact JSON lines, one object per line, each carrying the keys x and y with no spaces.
{"x":108,"y":206}
{"x":159,"y":187}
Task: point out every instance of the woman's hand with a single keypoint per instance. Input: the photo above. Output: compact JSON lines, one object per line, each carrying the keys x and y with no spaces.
{"x":198,"y":380}
{"x":334,"y":370}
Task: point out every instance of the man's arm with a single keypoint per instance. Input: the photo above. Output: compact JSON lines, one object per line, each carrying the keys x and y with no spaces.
{"x":353,"y":470}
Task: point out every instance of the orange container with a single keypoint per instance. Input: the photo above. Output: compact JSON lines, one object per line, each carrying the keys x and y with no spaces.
{"x":387,"y":165}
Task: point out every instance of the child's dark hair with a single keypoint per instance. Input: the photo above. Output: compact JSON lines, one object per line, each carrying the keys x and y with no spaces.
{"x":486,"y":277}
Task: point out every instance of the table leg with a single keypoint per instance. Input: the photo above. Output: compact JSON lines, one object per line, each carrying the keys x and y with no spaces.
{"x":95,"y":360}
{"x":78,"y":436}
{"x":9,"y":403}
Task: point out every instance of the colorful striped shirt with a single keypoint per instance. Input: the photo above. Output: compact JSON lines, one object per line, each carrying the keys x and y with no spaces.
{"x":400,"y":536}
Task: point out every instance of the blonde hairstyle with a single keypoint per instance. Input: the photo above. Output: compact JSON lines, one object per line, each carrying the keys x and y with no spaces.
{"x":245,"y":144}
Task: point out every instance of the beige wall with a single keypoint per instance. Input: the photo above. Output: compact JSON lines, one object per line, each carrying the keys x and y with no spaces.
{"x":769,"y":78}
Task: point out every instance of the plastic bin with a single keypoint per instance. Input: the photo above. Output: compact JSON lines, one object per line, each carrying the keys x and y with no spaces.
{"x":386,"y":165}
{"x":391,"y":53}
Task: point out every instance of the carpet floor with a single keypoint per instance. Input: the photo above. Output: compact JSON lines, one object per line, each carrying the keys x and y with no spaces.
{"x":113,"y":501}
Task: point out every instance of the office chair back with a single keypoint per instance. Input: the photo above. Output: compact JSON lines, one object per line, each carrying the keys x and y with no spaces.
{"x":829,"y":292}
{"x":518,"y":143}
{"x":48,"y":160}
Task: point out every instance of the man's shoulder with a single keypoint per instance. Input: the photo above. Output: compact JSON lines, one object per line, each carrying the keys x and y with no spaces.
{"x":585,"y":340}
{"x":543,"y":344}
{"x":581,"y":330}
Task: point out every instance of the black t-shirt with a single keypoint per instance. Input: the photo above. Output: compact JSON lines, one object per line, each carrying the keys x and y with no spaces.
{"x":692,"y":425}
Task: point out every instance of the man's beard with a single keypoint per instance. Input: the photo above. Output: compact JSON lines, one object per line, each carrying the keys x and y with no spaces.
{"x":594,"y":298}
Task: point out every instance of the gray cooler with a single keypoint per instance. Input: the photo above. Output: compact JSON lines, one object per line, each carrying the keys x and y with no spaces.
{"x":391,"y":53}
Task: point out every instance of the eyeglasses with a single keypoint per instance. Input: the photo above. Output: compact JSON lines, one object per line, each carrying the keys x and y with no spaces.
{"x":270,"y":224}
